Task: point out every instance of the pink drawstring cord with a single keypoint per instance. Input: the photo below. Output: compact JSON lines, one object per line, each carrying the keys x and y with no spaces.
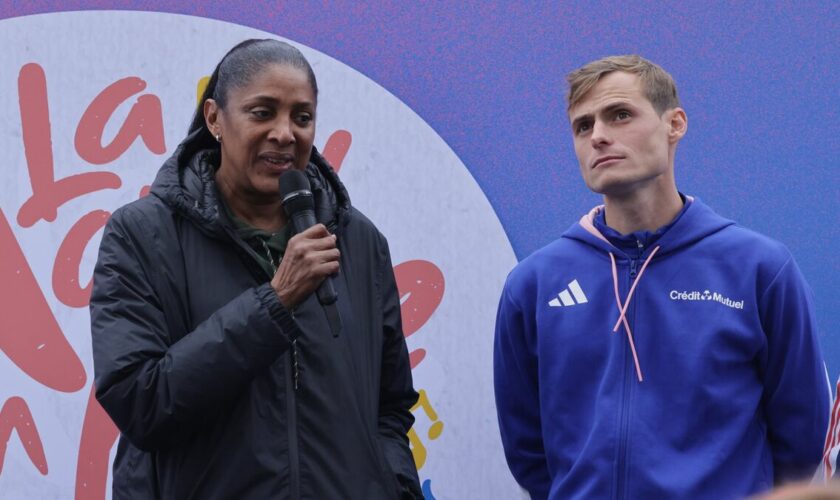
{"x":622,"y":318}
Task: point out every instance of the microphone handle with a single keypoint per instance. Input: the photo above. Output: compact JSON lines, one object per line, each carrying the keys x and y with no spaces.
{"x":301,"y":221}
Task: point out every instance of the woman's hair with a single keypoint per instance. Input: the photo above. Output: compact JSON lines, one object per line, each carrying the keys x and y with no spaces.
{"x":236,"y":69}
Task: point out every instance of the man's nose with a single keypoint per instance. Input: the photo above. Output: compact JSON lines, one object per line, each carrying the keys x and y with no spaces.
{"x":600,"y":134}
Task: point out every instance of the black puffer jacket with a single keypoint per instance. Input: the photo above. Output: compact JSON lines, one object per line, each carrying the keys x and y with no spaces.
{"x":195,"y":361}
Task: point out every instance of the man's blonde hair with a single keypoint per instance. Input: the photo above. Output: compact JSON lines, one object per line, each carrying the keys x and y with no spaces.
{"x":657,"y":85}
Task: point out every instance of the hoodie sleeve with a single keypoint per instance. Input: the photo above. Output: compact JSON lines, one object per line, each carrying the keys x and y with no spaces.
{"x":796,"y":392}
{"x":155,"y":390}
{"x":396,"y":393}
{"x":517,"y":396}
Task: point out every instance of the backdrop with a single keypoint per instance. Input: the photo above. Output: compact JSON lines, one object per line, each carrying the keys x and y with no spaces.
{"x":447,"y":123}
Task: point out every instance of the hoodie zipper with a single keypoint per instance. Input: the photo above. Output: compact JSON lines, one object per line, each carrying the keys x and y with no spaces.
{"x":634,"y":263}
{"x":629,"y":377}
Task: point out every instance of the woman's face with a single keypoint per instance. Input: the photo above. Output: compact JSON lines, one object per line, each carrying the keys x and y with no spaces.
{"x":266,"y":128}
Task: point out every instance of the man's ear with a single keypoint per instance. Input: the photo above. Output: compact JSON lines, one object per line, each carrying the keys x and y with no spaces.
{"x":677,"y":123}
{"x":211,"y":117}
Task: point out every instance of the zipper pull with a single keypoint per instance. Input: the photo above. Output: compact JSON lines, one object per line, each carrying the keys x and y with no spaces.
{"x":295,"y":372}
{"x":270,"y":258}
{"x":634,"y":263}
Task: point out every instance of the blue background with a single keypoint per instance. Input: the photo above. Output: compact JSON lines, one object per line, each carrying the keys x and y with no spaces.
{"x":759,"y":81}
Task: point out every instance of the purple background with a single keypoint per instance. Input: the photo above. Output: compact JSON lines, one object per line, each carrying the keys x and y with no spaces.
{"x":759,"y":81}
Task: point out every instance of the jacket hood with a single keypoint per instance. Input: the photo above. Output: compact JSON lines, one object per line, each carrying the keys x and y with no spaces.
{"x":186,"y":182}
{"x":698,"y":222}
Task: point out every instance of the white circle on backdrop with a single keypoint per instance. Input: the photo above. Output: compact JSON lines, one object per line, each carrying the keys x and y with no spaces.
{"x":398,"y":171}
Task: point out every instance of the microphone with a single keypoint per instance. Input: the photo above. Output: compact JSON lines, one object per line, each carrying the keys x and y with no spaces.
{"x":299,"y":205}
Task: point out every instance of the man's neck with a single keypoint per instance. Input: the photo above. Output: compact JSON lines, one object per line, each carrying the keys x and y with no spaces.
{"x":641,"y":212}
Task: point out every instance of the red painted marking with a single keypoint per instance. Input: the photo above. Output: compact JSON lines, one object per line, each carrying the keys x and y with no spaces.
{"x":65,"y":277}
{"x":98,"y":437}
{"x":47,"y":193}
{"x":29,"y":333}
{"x":16,"y":415}
{"x":145,"y":120}
{"x":336,"y":148}
{"x":144,"y":191}
{"x":421,"y":286}
{"x":416,"y":356}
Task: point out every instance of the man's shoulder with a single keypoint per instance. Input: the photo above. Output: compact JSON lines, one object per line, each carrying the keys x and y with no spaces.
{"x":751,"y":246}
{"x":559,"y":254}
{"x":731,"y":239}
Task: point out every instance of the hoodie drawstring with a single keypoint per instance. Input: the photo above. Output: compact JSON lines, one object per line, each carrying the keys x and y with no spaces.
{"x":622,"y":318}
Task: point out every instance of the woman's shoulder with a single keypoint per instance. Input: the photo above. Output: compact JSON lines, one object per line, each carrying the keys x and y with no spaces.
{"x":358,"y":223}
{"x":141,"y":217}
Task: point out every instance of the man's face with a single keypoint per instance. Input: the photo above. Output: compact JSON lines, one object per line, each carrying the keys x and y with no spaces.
{"x":622,"y":144}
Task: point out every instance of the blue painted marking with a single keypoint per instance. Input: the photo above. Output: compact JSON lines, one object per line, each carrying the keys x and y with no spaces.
{"x":427,"y":490}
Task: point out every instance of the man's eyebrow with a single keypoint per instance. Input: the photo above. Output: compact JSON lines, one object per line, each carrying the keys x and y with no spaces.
{"x":614,"y":107}
{"x":610,"y":108}
{"x":580,"y":119}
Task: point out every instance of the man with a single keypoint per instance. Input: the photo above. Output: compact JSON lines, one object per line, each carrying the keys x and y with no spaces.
{"x":656,"y":350}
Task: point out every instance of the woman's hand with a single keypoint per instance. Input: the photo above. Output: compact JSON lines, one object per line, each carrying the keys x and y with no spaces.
{"x":310,"y":257}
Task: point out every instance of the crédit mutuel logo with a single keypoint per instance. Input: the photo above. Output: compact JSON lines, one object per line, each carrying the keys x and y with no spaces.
{"x":706,"y":295}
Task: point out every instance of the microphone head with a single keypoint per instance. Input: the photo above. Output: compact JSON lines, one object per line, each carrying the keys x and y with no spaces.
{"x":295,"y":192}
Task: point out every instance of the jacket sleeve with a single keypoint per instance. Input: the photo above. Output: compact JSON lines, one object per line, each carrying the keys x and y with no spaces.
{"x":796,"y":391}
{"x":156,"y":390}
{"x":396,"y":392}
{"x":517,"y":396}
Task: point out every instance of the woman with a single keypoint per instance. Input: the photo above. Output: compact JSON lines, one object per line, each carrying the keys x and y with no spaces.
{"x":211,"y":353}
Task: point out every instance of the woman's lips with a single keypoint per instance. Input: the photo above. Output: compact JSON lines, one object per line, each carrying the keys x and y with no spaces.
{"x":279,"y":162}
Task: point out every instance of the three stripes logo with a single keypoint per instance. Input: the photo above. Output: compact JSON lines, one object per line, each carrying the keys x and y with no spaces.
{"x":573,"y":295}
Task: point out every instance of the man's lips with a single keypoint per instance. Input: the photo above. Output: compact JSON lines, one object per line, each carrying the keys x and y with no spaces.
{"x":603,"y":159}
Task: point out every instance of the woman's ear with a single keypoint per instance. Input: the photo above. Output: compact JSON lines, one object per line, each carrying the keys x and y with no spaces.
{"x":211,"y":117}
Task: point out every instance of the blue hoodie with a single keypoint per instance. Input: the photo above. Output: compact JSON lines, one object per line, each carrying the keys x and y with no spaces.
{"x":711,"y":383}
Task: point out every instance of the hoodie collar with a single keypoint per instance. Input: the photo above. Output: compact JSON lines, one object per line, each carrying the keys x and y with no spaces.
{"x":635,"y":242}
{"x":694,"y":223}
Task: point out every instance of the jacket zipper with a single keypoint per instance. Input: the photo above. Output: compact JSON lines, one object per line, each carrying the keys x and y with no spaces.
{"x":291,"y":413}
{"x":292,"y":376}
{"x":290,"y":370}
{"x":294,"y":360}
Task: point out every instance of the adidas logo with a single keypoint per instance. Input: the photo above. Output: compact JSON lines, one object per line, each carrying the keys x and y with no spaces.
{"x":564,"y":298}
